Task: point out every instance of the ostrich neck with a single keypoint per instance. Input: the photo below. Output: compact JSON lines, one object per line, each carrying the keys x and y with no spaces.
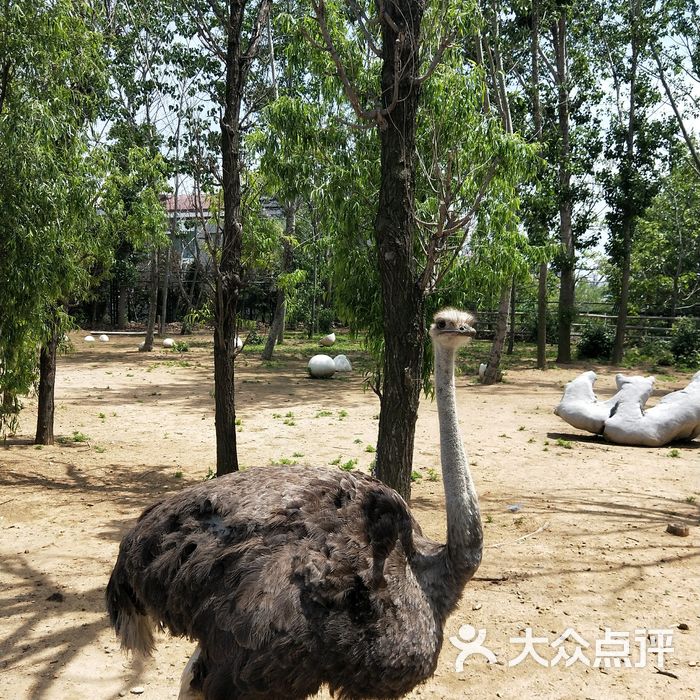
{"x":464,"y":534}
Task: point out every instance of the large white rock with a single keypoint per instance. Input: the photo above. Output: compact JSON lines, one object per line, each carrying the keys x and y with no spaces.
{"x":89,"y":339}
{"x":327,"y":340}
{"x":623,"y":418}
{"x":168,"y":342}
{"x":104,"y":338}
{"x":321,"y":366}
{"x":342,"y":364}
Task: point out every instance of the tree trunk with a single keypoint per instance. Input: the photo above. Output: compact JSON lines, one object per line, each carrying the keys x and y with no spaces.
{"x":565,"y":312}
{"x":122,"y":299}
{"x":542,"y":317}
{"x":164,"y":292}
{"x":537,"y":119}
{"x":511,"y":330}
{"x":395,"y":231}
{"x":152,"y":303}
{"x":228,"y":274}
{"x":276,"y":332}
{"x":47,"y":382}
{"x":493,"y":372}
{"x":629,"y":214}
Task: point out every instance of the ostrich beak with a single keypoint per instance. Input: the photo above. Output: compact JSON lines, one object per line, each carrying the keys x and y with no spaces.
{"x":465,"y":330}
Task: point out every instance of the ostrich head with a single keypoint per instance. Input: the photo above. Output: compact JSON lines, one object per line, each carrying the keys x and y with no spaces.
{"x":452,"y":328}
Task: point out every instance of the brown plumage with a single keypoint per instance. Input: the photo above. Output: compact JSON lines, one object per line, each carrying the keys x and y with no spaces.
{"x":290,"y":578}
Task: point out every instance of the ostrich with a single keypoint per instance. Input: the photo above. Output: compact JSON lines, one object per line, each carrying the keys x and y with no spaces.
{"x":291,"y":578}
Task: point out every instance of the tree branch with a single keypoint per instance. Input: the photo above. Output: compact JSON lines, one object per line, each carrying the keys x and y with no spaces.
{"x":679,"y":118}
{"x":329,"y":47}
{"x":256,"y":32}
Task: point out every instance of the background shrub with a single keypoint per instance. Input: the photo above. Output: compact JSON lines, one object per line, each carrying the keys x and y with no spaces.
{"x":596,"y":341}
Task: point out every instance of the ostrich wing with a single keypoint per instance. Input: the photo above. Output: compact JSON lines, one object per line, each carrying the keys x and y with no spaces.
{"x":236,"y":560}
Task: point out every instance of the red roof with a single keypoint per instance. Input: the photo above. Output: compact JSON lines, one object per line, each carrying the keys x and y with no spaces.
{"x":187,"y":203}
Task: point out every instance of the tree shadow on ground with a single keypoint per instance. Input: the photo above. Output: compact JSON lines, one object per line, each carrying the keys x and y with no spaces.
{"x":27,"y":608}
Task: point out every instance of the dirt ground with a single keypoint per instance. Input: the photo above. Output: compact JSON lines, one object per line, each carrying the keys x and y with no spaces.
{"x":576,"y":550}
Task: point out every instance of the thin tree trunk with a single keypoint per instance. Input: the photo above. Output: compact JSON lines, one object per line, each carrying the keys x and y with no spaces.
{"x":395,"y":231}
{"x":122,"y":300}
{"x":566,"y":310}
{"x":511,"y":330}
{"x":542,"y":317}
{"x":629,"y":215}
{"x":277,"y":326}
{"x":47,"y":383}
{"x":164,"y":292}
{"x":493,"y":372}
{"x":537,"y":118}
{"x":152,"y":303}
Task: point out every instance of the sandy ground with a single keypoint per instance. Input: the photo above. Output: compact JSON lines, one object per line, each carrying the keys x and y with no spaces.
{"x":575,"y":527}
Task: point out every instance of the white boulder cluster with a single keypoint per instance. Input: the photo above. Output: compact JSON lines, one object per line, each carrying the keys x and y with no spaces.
{"x":324,"y":366}
{"x":624,"y":420}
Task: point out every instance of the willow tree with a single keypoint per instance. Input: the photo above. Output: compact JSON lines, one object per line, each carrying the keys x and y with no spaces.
{"x":440,"y":159}
{"x":51,"y":65}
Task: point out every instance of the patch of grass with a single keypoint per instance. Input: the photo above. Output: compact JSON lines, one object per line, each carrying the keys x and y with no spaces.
{"x":416,"y":476}
{"x":181,"y":346}
{"x":503,"y":435}
{"x":99,"y":449}
{"x":690,"y":499}
{"x":522,"y":427}
{"x":342,"y":414}
{"x":38,"y":447}
{"x":349,"y":465}
{"x":101,"y":416}
{"x":336,"y":461}
{"x":276,"y":415}
{"x":323,"y":414}
{"x":357,"y":441}
{"x":674,"y":453}
{"x":532,"y":439}
{"x":298,"y":454}
{"x":239,"y":421}
{"x":289,"y":421}
{"x":211,"y":474}
{"x":289,"y":414}
{"x":433,"y":475}
{"x":488,"y":519}
{"x":285,"y":461}
{"x":178,"y":474}
{"x":370,"y":448}
{"x":564,"y":443}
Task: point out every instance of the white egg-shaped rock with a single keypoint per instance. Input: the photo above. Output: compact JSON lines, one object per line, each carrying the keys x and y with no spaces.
{"x":239,"y":343}
{"x":89,"y":339}
{"x":342,"y":364}
{"x":104,"y":338}
{"x":321,"y":366}
{"x":482,"y":370}
{"x":168,"y":342}
{"x":327,"y":340}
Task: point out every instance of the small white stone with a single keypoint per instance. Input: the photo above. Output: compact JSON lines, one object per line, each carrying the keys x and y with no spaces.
{"x":89,"y":339}
{"x":342,"y":364}
{"x":168,"y":342}
{"x":104,"y":338}
{"x":327,"y":340}
{"x":137,"y":690}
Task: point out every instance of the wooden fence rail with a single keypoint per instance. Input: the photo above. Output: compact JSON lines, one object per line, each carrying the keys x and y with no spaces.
{"x":638,"y":327}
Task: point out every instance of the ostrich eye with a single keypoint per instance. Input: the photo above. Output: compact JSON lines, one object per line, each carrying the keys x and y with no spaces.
{"x":441,"y":324}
